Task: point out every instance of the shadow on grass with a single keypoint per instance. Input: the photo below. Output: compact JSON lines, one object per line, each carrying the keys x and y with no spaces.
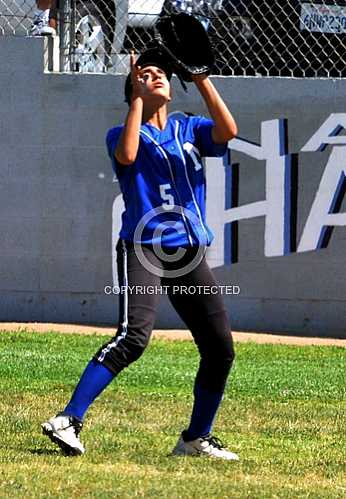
{"x":46,"y":452}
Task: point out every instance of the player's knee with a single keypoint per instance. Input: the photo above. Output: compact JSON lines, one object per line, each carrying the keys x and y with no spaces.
{"x":120,"y":352}
{"x":133,"y":347}
{"x":135,"y":351}
{"x":221,"y":352}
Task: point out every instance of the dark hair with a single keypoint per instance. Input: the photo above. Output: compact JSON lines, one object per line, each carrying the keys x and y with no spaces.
{"x":151,"y":57}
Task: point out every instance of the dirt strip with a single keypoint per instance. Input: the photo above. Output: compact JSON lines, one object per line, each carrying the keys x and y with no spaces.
{"x":168,"y":334}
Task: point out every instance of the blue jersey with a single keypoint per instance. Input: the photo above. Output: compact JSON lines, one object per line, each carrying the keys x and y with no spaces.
{"x":164,"y":189}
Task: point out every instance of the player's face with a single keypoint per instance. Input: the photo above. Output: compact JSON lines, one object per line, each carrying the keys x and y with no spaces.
{"x":156,"y":82}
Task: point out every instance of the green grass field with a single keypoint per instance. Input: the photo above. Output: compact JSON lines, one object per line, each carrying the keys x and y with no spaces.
{"x":284,"y":413}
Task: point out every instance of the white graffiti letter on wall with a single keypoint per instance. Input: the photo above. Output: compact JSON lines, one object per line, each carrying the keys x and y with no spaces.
{"x":277,"y":206}
{"x":327,"y":201}
{"x":323,"y":215}
{"x":327,"y":134}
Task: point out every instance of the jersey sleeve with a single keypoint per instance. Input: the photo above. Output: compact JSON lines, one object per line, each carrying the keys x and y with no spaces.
{"x":204,"y":141}
{"x":111,"y":142}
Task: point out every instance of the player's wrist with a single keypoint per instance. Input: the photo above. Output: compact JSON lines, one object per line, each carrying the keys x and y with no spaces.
{"x":199,"y":77}
{"x":202,"y":82}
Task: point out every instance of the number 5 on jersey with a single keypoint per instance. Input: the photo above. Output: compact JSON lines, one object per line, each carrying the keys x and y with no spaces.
{"x":166,"y":196}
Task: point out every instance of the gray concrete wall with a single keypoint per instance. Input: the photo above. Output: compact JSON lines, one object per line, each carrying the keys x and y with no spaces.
{"x":57,"y":197}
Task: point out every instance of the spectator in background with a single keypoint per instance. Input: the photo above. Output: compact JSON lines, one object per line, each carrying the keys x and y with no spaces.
{"x":53,"y":14}
{"x":104,"y":12}
{"x":45,"y":18}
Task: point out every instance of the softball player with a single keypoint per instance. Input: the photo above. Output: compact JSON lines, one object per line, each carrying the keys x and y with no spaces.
{"x":158,"y":164}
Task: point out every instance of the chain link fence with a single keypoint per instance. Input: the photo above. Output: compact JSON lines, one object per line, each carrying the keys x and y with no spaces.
{"x":299,"y":38}
{"x":16,"y":17}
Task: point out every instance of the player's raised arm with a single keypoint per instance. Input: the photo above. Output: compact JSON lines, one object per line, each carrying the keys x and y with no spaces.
{"x":127,"y":147}
{"x":225,"y":127}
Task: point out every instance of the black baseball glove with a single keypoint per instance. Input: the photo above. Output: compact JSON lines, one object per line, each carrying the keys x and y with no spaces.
{"x":185,"y":41}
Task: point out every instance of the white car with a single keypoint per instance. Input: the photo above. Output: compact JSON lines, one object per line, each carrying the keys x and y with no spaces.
{"x":103,"y":26}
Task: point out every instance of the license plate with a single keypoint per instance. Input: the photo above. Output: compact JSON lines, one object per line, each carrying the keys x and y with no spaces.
{"x":323,"y":18}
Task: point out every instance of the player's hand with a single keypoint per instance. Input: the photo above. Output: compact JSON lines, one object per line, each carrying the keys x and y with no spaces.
{"x":138,"y":83}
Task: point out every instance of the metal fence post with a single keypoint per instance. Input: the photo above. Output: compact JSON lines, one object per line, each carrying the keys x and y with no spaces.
{"x":74,"y":66}
{"x":64,"y":30}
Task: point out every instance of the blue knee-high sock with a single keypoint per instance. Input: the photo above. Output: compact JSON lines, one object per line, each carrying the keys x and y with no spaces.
{"x":204,"y":410}
{"x":93,"y":381}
